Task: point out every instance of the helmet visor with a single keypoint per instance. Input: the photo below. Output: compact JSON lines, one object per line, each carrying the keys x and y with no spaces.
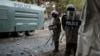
{"x":70,"y":15}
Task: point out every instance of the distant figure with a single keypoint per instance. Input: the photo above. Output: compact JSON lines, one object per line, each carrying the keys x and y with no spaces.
{"x":70,"y":24}
{"x":89,"y":31}
{"x":56,"y":27}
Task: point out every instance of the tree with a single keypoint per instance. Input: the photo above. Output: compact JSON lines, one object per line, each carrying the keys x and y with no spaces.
{"x":63,"y":3}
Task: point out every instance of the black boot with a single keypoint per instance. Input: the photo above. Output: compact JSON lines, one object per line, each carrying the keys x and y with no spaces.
{"x":56,"y":49}
{"x":67,"y":53}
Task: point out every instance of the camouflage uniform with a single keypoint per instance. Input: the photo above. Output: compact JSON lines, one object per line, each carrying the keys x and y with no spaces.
{"x":56,"y":34}
{"x":56,"y":31}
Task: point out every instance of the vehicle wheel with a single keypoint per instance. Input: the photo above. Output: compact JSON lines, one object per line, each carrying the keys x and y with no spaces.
{"x":19,"y":34}
{"x":29,"y":33}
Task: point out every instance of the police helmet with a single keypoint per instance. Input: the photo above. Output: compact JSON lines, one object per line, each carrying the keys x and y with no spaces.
{"x":54,"y":13}
{"x":70,"y":7}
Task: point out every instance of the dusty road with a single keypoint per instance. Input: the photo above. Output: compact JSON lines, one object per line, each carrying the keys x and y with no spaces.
{"x":26,"y":46}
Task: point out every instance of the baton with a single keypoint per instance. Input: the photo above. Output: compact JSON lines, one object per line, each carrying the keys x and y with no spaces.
{"x":48,"y":40}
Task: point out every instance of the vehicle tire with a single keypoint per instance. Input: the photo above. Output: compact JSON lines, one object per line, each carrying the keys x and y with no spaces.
{"x":29,"y":33}
{"x":18,"y":34}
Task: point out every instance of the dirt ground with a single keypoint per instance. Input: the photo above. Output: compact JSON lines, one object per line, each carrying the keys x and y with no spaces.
{"x":50,"y":53}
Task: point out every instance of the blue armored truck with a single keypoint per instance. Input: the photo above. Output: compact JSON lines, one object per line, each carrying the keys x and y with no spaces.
{"x":20,"y":18}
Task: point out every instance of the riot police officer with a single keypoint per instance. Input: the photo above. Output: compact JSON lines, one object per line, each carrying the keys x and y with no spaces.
{"x":56,"y":30}
{"x":70,"y":24}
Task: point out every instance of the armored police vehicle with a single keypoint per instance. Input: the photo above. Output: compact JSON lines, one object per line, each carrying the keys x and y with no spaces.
{"x":19,"y":18}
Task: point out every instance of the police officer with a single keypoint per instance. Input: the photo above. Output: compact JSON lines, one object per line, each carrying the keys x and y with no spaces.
{"x":70,"y":24}
{"x":56,"y":30}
